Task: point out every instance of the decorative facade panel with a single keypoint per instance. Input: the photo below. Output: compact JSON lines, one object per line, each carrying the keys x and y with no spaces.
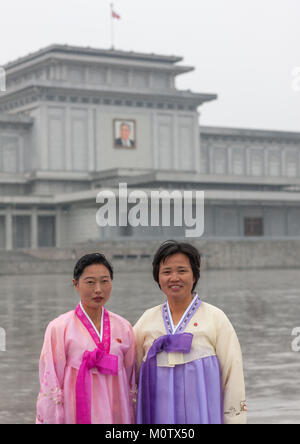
{"x":204,"y":160}
{"x":185,"y":143}
{"x":238,"y":162}
{"x":257,"y":165}
{"x":9,"y":154}
{"x":293,"y":221}
{"x":274,"y":163}
{"x":97,"y":75}
{"x":160,"y":80}
{"x":220,"y":161}
{"x":292,"y":163}
{"x":227,"y":222}
{"x":119,"y":77}
{"x":56,"y":139}
{"x":164,"y":146}
{"x":140,"y":79}
{"x":275,"y":222}
{"x":79,"y":140}
{"x":76,"y":74}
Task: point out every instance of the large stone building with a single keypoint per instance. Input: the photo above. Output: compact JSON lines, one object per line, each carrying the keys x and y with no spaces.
{"x":62,"y":118}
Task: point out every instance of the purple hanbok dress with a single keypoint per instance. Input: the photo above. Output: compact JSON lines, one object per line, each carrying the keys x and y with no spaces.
{"x":191,"y":373}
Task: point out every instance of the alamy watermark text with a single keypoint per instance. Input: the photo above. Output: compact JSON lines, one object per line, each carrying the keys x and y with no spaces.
{"x":152,"y":209}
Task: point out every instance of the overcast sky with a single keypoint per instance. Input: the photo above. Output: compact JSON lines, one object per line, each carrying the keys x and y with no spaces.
{"x":243,"y":50}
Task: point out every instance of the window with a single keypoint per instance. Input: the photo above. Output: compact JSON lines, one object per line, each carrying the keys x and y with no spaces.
{"x":21,"y":231}
{"x":253,"y":226}
{"x":46,"y":231}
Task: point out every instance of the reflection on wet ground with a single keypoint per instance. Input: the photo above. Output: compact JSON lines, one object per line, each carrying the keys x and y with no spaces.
{"x":263,"y":306}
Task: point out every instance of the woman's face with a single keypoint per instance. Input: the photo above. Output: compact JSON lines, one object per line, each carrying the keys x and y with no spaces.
{"x":176,"y":277}
{"x":94,"y":286}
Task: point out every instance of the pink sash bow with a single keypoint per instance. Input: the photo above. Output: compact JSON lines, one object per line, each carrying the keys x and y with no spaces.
{"x":106,"y":364}
{"x":101,"y":359}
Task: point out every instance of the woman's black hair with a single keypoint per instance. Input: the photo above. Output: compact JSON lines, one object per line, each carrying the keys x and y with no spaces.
{"x":170,"y":247}
{"x":91,"y":259}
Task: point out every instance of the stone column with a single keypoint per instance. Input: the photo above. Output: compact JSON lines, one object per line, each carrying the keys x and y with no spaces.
{"x":68,"y":138}
{"x":197,"y":143}
{"x":108,"y":76}
{"x":229,"y":161}
{"x":8,"y":230}
{"x":283,"y":163}
{"x":34,"y":229}
{"x":175,"y":162}
{"x":155,"y":154}
{"x":211,"y":168}
{"x":58,"y":227}
{"x":43,"y":139}
{"x":91,"y":140}
{"x":266,"y":162}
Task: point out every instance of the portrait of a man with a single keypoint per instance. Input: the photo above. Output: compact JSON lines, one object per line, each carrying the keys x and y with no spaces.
{"x":124,"y":133}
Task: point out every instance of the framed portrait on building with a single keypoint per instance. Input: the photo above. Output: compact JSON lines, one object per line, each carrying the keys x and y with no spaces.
{"x":124,"y":133}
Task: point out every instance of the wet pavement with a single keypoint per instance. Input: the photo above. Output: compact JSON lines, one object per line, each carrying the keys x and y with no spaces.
{"x":263,"y":306}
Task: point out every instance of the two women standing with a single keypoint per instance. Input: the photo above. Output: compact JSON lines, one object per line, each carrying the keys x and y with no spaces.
{"x":187,"y":353}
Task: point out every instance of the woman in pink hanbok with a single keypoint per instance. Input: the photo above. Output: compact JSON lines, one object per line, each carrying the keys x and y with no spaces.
{"x":87,"y":363}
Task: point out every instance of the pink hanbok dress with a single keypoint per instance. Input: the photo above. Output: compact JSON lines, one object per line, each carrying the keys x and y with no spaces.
{"x":87,"y":377}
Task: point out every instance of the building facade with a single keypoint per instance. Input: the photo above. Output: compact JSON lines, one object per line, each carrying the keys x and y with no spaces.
{"x":74,"y":121}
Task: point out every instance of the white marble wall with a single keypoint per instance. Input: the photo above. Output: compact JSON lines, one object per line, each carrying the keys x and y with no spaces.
{"x":175,"y":146}
{"x":80,"y":138}
{"x":221,"y":221}
{"x":228,"y":221}
{"x":77,"y":224}
{"x":226,"y":156}
{"x":15,"y":143}
{"x":96,"y":75}
{"x":11,"y":153}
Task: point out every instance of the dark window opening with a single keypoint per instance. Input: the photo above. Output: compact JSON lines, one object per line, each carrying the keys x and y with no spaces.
{"x":253,"y":226}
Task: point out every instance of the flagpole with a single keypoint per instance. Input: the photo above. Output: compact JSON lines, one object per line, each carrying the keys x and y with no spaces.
{"x":112,"y":26}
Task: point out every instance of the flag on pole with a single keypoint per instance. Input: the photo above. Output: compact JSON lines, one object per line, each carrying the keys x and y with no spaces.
{"x":114,"y":14}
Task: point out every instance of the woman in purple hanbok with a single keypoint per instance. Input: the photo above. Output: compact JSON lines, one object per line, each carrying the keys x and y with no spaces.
{"x":189,"y":357}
